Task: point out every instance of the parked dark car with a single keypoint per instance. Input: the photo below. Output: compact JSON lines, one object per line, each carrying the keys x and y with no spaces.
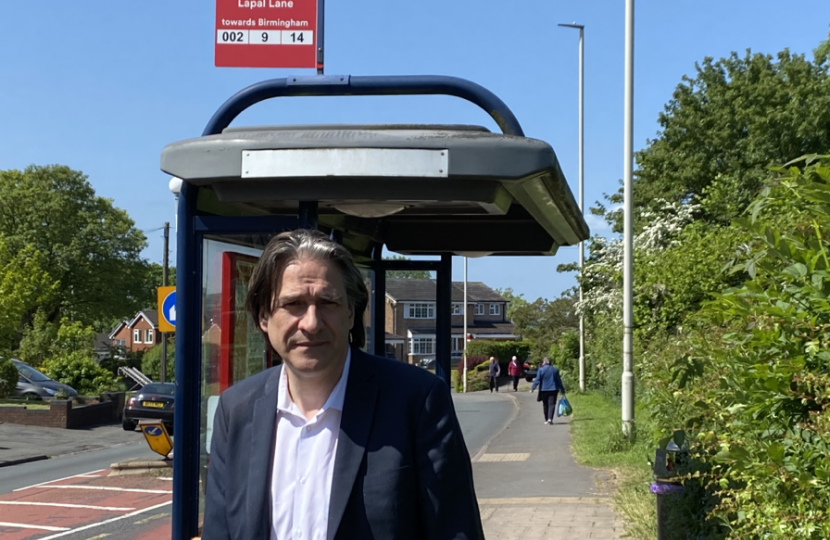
{"x":32,"y":384}
{"x":529,"y":371}
{"x":153,"y":402}
{"x":427,"y":363}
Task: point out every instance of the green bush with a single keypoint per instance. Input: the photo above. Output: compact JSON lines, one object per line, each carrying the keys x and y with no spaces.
{"x":477,"y":381}
{"x":480,"y":347}
{"x":8,"y":378}
{"x":483,"y":367}
{"x":151,"y":361}
{"x":748,"y":380}
{"x":472,"y":362}
{"x":564,"y":354}
{"x":79,"y":372}
{"x":502,"y":350}
{"x":477,"y":378}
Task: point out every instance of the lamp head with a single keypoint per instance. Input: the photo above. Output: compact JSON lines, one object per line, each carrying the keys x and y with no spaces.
{"x":175,"y":185}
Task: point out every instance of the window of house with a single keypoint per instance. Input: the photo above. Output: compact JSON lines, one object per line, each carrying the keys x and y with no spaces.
{"x":148,"y":336}
{"x":479,"y":309}
{"x":458,"y":344}
{"x":456,"y":308}
{"x":495,"y":309}
{"x":136,"y":336}
{"x":422,"y":345}
{"x":419,"y":311}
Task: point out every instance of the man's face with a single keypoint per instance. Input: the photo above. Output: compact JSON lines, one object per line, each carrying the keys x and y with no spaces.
{"x":311,"y":318}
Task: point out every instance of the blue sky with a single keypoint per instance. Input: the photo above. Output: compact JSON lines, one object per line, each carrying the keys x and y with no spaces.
{"x":102,"y":86}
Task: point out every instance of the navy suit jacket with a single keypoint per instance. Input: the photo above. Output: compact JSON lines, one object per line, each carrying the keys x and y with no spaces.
{"x":401,"y":470}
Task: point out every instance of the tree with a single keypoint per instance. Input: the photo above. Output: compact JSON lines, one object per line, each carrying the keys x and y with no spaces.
{"x":151,"y":361}
{"x":81,"y":253}
{"x":71,"y":360}
{"x":541,"y":322}
{"x":156,"y":273}
{"x":8,"y":377}
{"x":406,"y":274}
{"x":24,"y":286}
{"x":725,"y":127}
{"x":516,"y":302}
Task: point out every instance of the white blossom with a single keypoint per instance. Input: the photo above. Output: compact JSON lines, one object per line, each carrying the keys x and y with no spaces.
{"x":602,"y":273}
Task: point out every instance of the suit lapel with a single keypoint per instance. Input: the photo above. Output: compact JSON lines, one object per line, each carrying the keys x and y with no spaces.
{"x":355,"y":425}
{"x":260,"y":465}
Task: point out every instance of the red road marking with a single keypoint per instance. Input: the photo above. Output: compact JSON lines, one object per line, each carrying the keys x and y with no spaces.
{"x":78,"y":503}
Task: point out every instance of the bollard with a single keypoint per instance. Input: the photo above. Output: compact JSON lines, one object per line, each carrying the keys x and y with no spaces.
{"x":663,"y":488}
{"x":667,"y":461}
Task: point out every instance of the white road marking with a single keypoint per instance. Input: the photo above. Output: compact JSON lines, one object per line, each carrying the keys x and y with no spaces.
{"x":165,"y":478}
{"x":65,"y":505}
{"x":504,"y":457}
{"x":107,"y":488}
{"x":25,"y":526}
{"x":88,"y":475}
{"x":151,"y":518}
{"x":105,"y":522}
{"x":58,"y":480}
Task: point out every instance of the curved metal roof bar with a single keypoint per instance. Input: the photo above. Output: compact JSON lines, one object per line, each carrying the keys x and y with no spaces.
{"x":346,"y":85}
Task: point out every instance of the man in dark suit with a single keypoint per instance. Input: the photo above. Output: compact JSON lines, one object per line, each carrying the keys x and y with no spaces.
{"x":334,"y":444}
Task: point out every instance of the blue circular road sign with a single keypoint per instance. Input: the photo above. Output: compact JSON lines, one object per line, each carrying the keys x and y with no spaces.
{"x":168,"y":308}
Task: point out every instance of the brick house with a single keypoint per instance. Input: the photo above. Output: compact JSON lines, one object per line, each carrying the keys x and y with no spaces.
{"x":410,"y":317}
{"x":138,"y":334}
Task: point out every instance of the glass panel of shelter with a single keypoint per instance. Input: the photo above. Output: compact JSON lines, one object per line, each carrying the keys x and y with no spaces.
{"x":232,"y":345}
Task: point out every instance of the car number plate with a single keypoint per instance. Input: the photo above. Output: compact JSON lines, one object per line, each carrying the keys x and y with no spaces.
{"x":153,"y":404}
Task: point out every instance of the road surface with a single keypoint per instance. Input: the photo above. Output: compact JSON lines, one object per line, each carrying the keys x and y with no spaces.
{"x":76,"y":497}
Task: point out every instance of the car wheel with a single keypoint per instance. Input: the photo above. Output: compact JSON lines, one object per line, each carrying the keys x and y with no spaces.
{"x":31,"y":396}
{"x":529,"y":379}
{"x":128,"y":425}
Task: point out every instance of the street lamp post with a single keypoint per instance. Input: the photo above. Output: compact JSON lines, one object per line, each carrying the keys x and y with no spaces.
{"x":464,"y":352}
{"x":628,"y":228}
{"x":581,"y":28}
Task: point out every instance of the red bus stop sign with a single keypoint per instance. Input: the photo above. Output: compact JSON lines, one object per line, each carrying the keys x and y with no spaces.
{"x":266,"y":33}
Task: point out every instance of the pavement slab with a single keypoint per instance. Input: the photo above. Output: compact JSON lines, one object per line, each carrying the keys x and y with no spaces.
{"x":530,"y":488}
{"x":20,"y":443}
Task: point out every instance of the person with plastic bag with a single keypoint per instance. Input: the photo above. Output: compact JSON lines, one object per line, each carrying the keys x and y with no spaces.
{"x":549,"y":383}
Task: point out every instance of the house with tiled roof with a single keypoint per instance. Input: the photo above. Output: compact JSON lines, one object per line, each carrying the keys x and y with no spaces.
{"x":139,"y":333}
{"x":410,"y":317}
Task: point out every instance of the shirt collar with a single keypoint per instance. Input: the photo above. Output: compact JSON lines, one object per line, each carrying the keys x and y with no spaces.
{"x":336,"y":398}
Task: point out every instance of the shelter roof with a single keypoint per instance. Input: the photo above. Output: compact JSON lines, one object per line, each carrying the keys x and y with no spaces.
{"x":418,"y":189}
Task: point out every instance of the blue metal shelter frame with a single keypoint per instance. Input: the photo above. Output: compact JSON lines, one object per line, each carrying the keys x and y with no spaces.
{"x":192,"y":229}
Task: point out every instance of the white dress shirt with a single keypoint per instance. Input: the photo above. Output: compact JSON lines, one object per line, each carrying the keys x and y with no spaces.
{"x":304,"y":463}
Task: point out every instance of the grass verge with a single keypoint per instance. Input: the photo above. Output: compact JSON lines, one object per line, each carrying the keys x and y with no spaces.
{"x":597,"y":439}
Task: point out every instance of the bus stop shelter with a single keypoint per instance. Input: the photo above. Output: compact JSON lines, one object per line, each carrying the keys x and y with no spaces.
{"x":438,"y":190}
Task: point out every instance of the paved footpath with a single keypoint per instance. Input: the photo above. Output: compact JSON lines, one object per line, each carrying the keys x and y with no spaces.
{"x":530,"y":488}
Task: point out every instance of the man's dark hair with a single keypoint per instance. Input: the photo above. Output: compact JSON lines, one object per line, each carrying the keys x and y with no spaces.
{"x":301,"y":244}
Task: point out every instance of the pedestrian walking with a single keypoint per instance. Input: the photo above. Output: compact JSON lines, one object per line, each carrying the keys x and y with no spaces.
{"x":495,"y":371}
{"x":549,"y":383}
{"x":515,"y":371}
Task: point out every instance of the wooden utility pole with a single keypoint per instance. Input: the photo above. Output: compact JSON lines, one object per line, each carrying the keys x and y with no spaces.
{"x":163,"y":374}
